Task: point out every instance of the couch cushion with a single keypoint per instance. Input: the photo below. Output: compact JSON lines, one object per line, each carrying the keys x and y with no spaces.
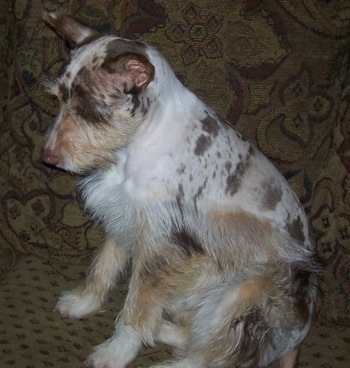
{"x":33,"y":335}
{"x":275,"y":69}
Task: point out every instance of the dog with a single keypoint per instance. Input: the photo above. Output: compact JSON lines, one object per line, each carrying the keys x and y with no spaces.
{"x":221,"y":253}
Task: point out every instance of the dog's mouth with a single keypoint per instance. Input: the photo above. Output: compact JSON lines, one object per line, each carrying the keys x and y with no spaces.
{"x":53,"y":160}
{"x":92,"y":161}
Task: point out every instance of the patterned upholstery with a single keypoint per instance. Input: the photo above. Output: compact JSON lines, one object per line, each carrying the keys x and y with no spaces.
{"x":32,"y":335}
{"x":277,"y":70}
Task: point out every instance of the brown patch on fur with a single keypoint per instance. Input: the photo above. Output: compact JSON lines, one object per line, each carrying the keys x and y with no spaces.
{"x":241,"y":219}
{"x":252,"y":238}
{"x":202,"y":144}
{"x":86,"y":105}
{"x":272,"y":196}
{"x":67,"y":128}
{"x":74,"y":34}
{"x":149,"y":285}
{"x":99,"y":281}
{"x":160,"y":278}
{"x":241,"y":313}
{"x":186,"y":241}
{"x":82,"y":145}
{"x":210,"y":125}
{"x":152,"y":285}
{"x":144,"y":305}
{"x":234,"y":181}
{"x":296,"y":230}
{"x":250,"y":293}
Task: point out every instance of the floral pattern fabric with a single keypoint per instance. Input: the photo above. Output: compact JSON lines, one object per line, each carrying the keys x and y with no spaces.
{"x":276,"y":70}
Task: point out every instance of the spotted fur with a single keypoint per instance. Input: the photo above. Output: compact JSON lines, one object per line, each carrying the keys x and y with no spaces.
{"x":220,"y":249}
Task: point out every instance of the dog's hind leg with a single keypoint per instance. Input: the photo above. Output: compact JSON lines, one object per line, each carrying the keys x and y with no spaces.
{"x":88,"y":298}
{"x":173,"y":335}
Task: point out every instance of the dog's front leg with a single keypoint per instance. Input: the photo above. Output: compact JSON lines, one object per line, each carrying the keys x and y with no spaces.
{"x":119,"y":350}
{"x":130,"y":333}
{"x":141,"y":319}
{"x":88,"y":298}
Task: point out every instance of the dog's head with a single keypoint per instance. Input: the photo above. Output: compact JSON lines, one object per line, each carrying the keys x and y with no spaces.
{"x":100,"y":93}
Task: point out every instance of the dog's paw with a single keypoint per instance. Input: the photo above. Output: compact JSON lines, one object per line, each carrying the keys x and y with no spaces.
{"x":103,"y":356}
{"x":93,"y":364}
{"x":118,"y":351}
{"x":97,"y":360}
{"x":77,"y":304}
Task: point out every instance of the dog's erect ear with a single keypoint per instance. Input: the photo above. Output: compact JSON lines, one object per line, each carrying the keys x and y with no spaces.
{"x":139,"y":70}
{"x":136,"y":69}
{"x":74,"y":33}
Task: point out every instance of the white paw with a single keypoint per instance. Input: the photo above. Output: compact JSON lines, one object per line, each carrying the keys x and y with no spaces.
{"x":77,"y":304}
{"x":104,"y":357}
{"x":99,"y":359}
{"x":118,"y":351}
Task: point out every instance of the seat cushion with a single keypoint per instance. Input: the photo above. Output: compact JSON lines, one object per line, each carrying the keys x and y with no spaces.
{"x":32,"y":334}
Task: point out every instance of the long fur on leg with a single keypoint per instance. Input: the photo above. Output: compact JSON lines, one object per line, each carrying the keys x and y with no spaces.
{"x":88,"y":298}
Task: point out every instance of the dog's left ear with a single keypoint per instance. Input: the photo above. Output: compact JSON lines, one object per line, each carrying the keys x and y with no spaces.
{"x":135,"y":69}
{"x":73,"y":33}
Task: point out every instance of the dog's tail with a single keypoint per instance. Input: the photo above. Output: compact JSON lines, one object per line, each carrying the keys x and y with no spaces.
{"x":262,"y":318}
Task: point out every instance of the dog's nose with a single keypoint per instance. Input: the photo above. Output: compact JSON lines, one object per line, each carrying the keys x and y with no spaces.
{"x":51,"y":156}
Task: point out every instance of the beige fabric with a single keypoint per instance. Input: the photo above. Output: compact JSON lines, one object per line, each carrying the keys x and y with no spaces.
{"x":32,"y":335}
{"x":277,"y":70}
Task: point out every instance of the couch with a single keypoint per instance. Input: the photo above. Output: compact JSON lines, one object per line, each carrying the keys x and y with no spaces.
{"x":276,"y":70}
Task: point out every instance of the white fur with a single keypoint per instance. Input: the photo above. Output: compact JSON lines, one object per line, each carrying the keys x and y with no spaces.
{"x":119,"y":350}
{"x":173,"y":335}
{"x":72,"y":304}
